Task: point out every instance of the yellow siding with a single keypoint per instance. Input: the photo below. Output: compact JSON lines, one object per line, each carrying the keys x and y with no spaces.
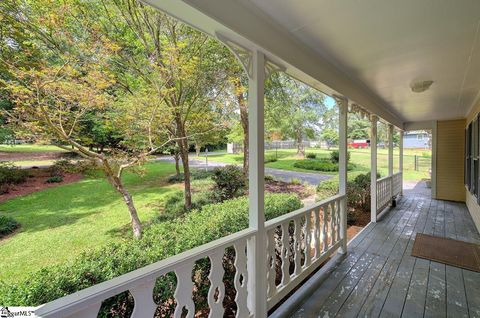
{"x":471,"y":201}
{"x":450,"y":153}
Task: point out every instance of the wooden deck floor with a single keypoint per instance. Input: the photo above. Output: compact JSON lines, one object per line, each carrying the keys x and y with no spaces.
{"x":380,"y":278}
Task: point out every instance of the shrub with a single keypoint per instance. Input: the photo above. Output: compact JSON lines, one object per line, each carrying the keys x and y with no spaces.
{"x":335,"y":156}
{"x":269,"y":177}
{"x":66,"y":165}
{"x":54,"y":179}
{"x":197,"y":174}
{"x":7,"y":225}
{"x":175,"y":204}
{"x":160,"y":240}
{"x":311,"y":155}
{"x":229,"y":182}
{"x":295,"y":181}
{"x":316,"y":165}
{"x":270,"y":158}
{"x":358,"y":190}
{"x":10,"y":175}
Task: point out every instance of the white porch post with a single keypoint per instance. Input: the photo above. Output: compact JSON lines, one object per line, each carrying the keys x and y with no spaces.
{"x":373,"y":168}
{"x":400,"y":161}
{"x":390,"y":149}
{"x":257,"y":261}
{"x":342,"y":103}
{"x":390,"y":158}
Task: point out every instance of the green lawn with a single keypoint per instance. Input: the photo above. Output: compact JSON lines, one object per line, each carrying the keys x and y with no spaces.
{"x":359,"y":157}
{"x":60,"y":223}
{"x":32,"y":163}
{"x":30,"y":148}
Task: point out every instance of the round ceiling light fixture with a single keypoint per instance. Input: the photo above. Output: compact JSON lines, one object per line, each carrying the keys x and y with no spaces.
{"x":420,"y":87}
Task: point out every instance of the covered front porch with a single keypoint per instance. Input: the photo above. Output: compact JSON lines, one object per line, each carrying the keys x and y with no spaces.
{"x":380,"y":278}
{"x":299,"y":264}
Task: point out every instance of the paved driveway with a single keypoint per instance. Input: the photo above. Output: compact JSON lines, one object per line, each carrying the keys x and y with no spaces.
{"x":284,"y":175}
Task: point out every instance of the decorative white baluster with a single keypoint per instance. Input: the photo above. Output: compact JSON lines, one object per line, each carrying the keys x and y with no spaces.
{"x":285,"y":253}
{"x":331,"y":207}
{"x":183,"y":292}
{"x":324,"y":227}
{"x":297,"y":246}
{"x":241,"y":278}
{"x":308,"y":238}
{"x":317,"y":233}
{"x":271,"y":263}
{"x":144,"y":304}
{"x":337,"y":206}
{"x":216,"y":293}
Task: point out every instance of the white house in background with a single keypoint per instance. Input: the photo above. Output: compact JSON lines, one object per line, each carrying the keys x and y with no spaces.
{"x":416,"y":139}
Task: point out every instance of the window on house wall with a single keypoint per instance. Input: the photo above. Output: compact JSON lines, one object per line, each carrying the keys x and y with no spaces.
{"x":474,"y":166}
{"x":468,"y":143}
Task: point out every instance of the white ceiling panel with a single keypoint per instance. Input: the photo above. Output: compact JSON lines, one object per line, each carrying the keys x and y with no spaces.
{"x":389,"y":44}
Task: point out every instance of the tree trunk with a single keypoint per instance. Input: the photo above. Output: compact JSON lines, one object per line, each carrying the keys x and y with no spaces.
{"x":135,"y":221}
{"x":116,"y":182}
{"x":176,"y":156}
{"x":242,"y":104}
{"x":299,"y":142}
{"x":183,"y":149}
{"x":197,"y":149}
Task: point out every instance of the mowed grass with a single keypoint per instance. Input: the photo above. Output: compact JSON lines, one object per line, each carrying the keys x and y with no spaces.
{"x":360,"y":157}
{"x":57,"y":224}
{"x":30,"y":148}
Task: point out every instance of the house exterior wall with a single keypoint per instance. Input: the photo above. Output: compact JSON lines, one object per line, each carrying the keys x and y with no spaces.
{"x":450,"y":160}
{"x":470,"y":200}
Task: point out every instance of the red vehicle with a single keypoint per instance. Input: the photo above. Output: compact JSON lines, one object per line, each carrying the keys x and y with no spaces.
{"x":359,"y":144}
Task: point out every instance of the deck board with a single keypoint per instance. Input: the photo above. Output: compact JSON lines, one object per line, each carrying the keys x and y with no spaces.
{"x":380,"y":278}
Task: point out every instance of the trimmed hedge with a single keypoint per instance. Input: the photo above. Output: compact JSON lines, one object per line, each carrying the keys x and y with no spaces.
{"x":160,"y":241}
{"x":319,"y":165}
{"x":7,"y":225}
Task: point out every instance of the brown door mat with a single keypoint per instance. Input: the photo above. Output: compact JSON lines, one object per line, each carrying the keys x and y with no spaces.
{"x":444,"y":250}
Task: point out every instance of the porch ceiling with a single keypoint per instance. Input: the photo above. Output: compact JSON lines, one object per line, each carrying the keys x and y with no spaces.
{"x":387,"y":45}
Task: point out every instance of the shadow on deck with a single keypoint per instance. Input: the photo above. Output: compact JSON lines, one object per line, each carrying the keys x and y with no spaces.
{"x":379,"y":277}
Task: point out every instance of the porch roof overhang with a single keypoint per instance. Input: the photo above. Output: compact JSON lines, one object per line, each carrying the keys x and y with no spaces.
{"x":370,"y":52}
{"x":253,"y":29}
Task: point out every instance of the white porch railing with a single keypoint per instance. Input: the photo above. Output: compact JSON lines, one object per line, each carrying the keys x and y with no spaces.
{"x":387,"y":188}
{"x":296,"y":244}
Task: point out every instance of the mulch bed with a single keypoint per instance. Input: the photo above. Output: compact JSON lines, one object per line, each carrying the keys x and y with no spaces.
{"x":275,"y":186}
{"x":36,"y":182}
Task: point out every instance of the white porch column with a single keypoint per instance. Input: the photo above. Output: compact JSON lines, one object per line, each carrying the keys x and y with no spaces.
{"x":342,"y":103}
{"x":400,"y":160}
{"x":390,"y":158}
{"x":390,"y":149}
{"x":373,"y":168}
{"x":257,"y":261}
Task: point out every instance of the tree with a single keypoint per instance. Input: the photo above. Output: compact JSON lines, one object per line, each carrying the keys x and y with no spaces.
{"x":178,"y":64}
{"x":358,"y":128}
{"x":330,"y":136}
{"x":71,"y":81}
{"x":293,"y":108}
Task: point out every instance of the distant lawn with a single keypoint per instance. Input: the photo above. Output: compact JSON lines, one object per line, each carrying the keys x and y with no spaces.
{"x":30,"y":148}
{"x":360,"y":157}
{"x":57,"y":224}
{"x":32,"y":163}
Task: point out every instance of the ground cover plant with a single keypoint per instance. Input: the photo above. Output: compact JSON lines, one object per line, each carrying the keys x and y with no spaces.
{"x":7,"y":225}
